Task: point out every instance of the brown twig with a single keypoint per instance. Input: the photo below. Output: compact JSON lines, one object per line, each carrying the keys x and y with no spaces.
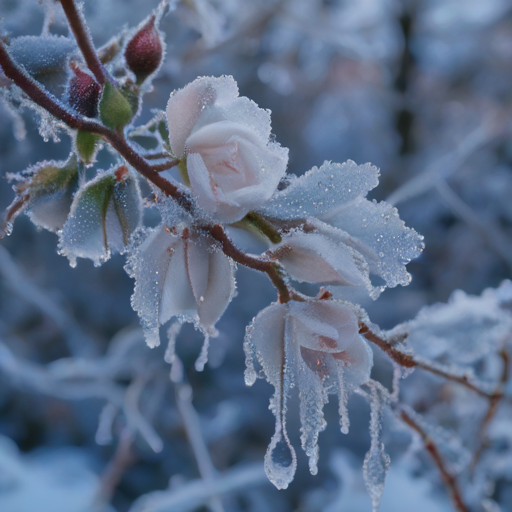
{"x":83,"y":39}
{"x":492,"y":409}
{"x":409,"y":361}
{"x":123,"y":458}
{"x":269,"y":267}
{"x":165,"y":165}
{"x":448,"y":478}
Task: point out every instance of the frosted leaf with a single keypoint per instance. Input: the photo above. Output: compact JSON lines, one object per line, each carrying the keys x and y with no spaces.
{"x":381,"y":236}
{"x":314,"y":346}
{"x":335,"y":195}
{"x":104,"y":214}
{"x":42,"y":56}
{"x":321,"y":190}
{"x":462,"y":331}
{"x":46,"y":191}
{"x":180,"y":274}
{"x":376,"y":462}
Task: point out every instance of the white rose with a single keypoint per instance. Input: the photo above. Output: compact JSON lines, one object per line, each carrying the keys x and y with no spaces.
{"x":316,"y":347}
{"x":232,"y":165}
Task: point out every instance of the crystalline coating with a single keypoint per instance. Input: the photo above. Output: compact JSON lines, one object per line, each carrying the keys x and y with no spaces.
{"x":104,"y":214}
{"x":316,"y":347}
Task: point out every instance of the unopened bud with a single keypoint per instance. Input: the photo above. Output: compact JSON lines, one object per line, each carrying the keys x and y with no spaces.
{"x":115,"y":110}
{"x":144,"y":52}
{"x":83,"y":92}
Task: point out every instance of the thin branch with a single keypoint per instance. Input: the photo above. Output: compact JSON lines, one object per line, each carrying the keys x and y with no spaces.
{"x":448,"y":478}
{"x":493,"y":407}
{"x":165,"y":165}
{"x":269,"y":267}
{"x":83,"y":39}
{"x":408,"y":360}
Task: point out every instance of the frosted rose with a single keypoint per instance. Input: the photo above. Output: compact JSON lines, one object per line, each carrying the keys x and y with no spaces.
{"x":316,"y":347}
{"x":181,"y":275}
{"x":232,"y":165}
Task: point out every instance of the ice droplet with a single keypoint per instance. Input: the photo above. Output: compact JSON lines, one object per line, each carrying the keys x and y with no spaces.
{"x":280,"y":460}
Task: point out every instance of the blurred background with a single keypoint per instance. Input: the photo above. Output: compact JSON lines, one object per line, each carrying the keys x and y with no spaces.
{"x":420,"y":88}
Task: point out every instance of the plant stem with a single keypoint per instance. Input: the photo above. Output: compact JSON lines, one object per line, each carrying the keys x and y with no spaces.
{"x":409,"y":361}
{"x":83,"y":39}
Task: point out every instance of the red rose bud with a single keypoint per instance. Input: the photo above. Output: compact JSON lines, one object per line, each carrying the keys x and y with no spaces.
{"x":83,"y":92}
{"x":144,"y":52}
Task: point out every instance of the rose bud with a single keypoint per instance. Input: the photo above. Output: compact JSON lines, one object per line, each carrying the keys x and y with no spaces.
{"x":83,"y":92}
{"x":144,"y":52}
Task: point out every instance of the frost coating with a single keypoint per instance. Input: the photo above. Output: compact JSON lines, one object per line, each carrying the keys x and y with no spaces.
{"x":332,"y":200}
{"x":315,"y":346}
{"x":104,"y":214}
{"x":232,"y":166}
{"x":49,"y":187}
{"x":183,"y":275}
{"x":462,"y":331}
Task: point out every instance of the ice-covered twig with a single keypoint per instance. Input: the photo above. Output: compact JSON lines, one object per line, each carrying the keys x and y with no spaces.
{"x":409,"y":360}
{"x":192,"y":426}
{"x":194,"y":494}
{"x":448,"y":478}
{"x":83,"y":39}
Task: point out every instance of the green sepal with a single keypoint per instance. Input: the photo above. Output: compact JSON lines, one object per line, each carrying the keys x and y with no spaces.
{"x":86,"y":146}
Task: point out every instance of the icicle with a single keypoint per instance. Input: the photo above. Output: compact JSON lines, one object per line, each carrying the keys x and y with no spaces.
{"x":376,"y":461}
{"x":342,"y":403}
{"x":203,"y":356}
{"x":172,"y":334}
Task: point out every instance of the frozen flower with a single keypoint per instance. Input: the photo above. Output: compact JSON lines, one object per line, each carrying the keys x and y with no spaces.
{"x":231,"y":163}
{"x":316,"y":347}
{"x":180,"y":274}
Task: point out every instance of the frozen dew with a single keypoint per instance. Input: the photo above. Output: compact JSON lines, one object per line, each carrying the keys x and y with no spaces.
{"x":376,"y":462}
{"x":104,"y":214}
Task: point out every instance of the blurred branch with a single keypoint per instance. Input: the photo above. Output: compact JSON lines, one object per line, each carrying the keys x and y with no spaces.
{"x":448,"y":478}
{"x":194,"y":494}
{"x":192,"y":426}
{"x":78,"y":343}
{"x":443,"y":167}
{"x":487,"y":231}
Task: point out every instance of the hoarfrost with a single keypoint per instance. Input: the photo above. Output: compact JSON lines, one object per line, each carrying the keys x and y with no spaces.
{"x":462,"y":331}
{"x":104,"y":214}
{"x":316,"y":347}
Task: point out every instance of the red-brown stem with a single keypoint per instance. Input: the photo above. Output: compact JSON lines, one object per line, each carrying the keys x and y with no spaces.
{"x":449,"y":479}
{"x":408,"y":361}
{"x":269,"y":267}
{"x":83,"y":39}
{"x":165,"y":165}
{"x":492,"y":409}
